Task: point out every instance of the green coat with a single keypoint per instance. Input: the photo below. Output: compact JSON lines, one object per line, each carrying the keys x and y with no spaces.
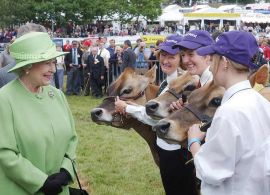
{"x":36,"y":131}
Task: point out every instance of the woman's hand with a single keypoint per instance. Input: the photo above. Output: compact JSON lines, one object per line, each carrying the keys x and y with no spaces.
{"x":120,"y":106}
{"x":195,"y":132}
{"x":177,"y":105}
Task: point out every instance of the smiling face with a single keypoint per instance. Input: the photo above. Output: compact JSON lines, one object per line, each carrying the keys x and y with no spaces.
{"x":41,"y":73}
{"x":194,"y":63}
{"x":168,"y":62}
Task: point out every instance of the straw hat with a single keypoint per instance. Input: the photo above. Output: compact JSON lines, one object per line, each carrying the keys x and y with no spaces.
{"x":31,"y":48}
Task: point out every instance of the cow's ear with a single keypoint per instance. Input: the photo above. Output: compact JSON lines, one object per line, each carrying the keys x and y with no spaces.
{"x":262,"y":75}
{"x":151,"y":74}
{"x":128,"y":70}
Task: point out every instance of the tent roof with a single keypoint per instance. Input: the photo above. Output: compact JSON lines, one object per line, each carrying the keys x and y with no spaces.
{"x":211,"y":14}
{"x":208,"y":10}
{"x":229,"y":7}
{"x":255,"y":18}
{"x":259,"y":6}
{"x":171,"y":13}
{"x":171,"y":8}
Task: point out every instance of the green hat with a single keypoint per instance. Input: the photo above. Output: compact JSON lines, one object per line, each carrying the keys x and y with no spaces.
{"x":32,"y":48}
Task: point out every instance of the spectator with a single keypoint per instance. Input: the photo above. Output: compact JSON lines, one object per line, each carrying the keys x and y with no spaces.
{"x":60,"y":65}
{"x":5,"y":57}
{"x":67,"y":46}
{"x":95,"y":68}
{"x":73,"y":62}
{"x":129,"y":57}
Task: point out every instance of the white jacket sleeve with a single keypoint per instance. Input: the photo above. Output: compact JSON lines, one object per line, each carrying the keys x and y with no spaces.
{"x":139,"y":113}
{"x":216,"y":159}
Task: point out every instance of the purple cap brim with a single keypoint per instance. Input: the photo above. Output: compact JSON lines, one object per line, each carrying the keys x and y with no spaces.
{"x":203,"y":51}
{"x":169,"y":49}
{"x":189,"y":45}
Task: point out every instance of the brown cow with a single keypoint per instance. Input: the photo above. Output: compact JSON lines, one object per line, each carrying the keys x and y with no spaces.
{"x":203,"y":101}
{"x":105,"y":113}
{"x":134,"y":88}
{"x":159,"y":107}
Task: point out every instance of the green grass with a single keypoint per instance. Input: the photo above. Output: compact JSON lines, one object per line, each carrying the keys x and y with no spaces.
{"x":115,"y":161}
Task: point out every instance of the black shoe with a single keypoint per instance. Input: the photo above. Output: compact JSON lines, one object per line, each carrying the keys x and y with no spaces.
{"x":86,"y":94}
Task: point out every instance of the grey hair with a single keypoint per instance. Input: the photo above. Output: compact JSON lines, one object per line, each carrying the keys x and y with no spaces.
{"x":30,"y":27}
{"x":21,"y":71}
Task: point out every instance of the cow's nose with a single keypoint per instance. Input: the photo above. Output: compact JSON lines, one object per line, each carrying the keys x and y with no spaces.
{"x":162,"y":128}
{"x":96,"y":113}
{"x":151,"y":107}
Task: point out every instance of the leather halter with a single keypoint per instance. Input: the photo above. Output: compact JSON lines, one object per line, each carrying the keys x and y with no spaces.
{"x":205,"y":119}
{"x":140,"y":94}
{"x":173,"y":92}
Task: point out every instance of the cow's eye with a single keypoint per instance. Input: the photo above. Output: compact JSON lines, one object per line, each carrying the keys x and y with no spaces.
{"x":190,"y":87}
{"x":216,"y":102}
{"x":127,"y":91}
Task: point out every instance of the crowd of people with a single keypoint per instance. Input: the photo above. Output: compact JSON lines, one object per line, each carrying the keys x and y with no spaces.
{"x":224,"y":163}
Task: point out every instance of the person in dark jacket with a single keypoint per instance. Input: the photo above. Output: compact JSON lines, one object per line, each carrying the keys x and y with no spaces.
{"x":73,"y":62}
{"x":96,"y":69}
{"x":129,"y":56}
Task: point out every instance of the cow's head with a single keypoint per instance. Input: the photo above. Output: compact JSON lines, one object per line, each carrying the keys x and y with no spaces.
{"x":159,"y":107}
{"x":204,"y":101}
{"x":129,"y":86}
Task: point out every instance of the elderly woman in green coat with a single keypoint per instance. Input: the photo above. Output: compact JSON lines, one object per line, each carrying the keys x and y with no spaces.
{"x":37,"y":132}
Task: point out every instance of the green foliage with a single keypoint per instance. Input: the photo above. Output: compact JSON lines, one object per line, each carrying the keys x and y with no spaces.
{"x":80,"y":11}
{"x":115,"y":161}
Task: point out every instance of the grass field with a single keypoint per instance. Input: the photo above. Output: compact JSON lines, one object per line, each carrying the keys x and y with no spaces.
{"x":115,"y":161}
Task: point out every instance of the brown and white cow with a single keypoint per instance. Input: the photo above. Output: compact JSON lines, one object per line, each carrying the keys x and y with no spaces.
{"x":135,"y":89}
{"x":128,"y":81}
{"x":159,"y":107}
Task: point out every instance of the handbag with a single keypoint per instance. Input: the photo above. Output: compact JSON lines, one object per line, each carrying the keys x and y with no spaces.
{"x":76,"y":191}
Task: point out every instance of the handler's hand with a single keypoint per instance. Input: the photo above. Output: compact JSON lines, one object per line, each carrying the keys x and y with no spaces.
{"x":101,"y":77}
{"x":120,"y":106}
{"x":177,"y":105}
{"x":195,"y":132}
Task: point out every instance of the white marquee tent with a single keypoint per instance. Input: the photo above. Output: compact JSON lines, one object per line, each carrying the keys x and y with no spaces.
{"x":171,"y":13}
{"x":255,"y":18}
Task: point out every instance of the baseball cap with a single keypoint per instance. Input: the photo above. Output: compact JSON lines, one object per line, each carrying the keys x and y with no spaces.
{"x":238,"y":46}
{"x":195,"y":39}
{"x":168,"y":44}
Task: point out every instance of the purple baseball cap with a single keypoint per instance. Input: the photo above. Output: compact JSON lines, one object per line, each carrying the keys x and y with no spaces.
{"x":238,"y":46}
{"x":195,"y":39}
{"x":168,"y":44}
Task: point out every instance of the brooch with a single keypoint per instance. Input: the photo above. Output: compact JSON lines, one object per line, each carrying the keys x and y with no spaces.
{"x":51,"y":94}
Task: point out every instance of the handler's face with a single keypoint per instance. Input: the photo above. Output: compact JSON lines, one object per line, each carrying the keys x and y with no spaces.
{"x":41,"y":73}
{"x":194,"y":63}
{"x":169,"y":62}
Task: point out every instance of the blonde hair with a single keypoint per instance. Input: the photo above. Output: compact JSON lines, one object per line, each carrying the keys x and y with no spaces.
{"x":238,"y":67}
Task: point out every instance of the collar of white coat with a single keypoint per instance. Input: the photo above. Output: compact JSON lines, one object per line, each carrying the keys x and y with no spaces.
{"x":171,"y":76}
{"x":234,"y":89}
{"x":206,"y":77}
